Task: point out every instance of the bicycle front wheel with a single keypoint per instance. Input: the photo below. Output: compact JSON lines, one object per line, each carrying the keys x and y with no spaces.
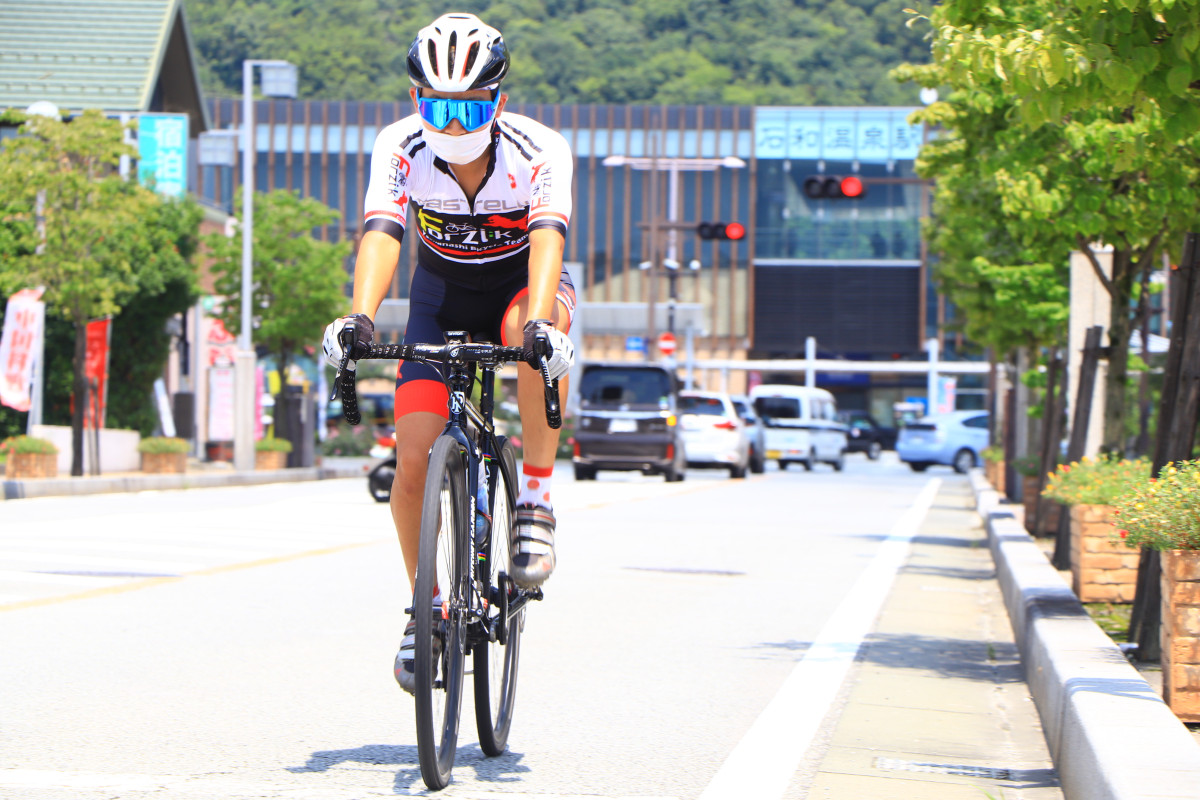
{"x":495,"y":663}
{"x":441,"y":626}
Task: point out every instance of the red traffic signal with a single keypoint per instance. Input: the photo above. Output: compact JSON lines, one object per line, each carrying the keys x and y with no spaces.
{"x":721,"y":230}
{"x":834,"y":187}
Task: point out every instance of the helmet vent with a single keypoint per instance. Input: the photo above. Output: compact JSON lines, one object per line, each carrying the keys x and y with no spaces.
{"x":451,"y":53}
{"x":472,"y":54}
{"x":433,"y":57}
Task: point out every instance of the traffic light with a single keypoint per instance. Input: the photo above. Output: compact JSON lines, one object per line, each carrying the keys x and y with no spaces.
{"x":721,"y":230}
{"x":834,"y":187}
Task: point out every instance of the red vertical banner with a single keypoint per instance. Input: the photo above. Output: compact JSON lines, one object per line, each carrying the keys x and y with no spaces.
{"x":96,"y":370}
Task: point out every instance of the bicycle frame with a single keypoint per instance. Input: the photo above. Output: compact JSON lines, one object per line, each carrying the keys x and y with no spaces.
{"x":459,"y":356}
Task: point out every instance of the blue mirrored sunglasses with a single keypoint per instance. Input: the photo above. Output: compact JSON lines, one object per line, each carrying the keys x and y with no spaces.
{"x":473,"y":114}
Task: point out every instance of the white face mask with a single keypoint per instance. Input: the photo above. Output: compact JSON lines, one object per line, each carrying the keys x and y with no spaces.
{"x":462,"y":149}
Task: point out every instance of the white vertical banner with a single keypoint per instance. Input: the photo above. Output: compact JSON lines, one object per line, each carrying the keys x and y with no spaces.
{"x":220,"y":404}
{"x":166,"y":419}
{"x":24,"y":318}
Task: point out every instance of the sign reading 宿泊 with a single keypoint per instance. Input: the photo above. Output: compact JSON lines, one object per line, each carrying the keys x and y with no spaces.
{"x":162,"y":152}
{"x":867,"y":135}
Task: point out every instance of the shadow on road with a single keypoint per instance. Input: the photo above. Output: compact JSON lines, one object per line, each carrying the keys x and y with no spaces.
{"x":502,"y":769}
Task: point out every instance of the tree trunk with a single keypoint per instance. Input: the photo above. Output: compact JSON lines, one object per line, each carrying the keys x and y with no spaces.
{"x":79,"y":366}
{"x":1119,"y":329}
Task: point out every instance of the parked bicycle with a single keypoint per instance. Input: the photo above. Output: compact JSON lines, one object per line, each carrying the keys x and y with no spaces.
{"x":467,"y":515}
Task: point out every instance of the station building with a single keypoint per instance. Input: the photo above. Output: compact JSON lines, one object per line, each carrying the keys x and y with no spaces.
{"x":850,"y":273}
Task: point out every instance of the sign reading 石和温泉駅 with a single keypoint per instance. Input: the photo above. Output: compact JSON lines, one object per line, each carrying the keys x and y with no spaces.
{"x":866,"y":135}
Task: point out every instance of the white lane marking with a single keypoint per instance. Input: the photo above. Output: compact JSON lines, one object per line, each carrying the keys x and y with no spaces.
{"x":8,"y":576}
{"x":762,"y":764}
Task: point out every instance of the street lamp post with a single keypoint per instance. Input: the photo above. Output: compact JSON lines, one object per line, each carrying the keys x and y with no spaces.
{"x":673,"y":165}
{"x":278,"y":80}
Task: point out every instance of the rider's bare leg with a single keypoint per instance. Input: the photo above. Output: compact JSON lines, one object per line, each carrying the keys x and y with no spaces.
{"x":415,"y":433}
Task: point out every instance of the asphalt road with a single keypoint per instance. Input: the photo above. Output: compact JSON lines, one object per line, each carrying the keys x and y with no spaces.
{"x":237,"y":643}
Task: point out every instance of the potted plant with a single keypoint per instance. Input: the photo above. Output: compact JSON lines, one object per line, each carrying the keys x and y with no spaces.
{"x":1028,"y":468}
{"x":163,"y":454}
{"x":1103,"y":569}
{"x":993,"y":466}
{"x":271,"y":453}
{"x":29,"y":457}
{"x":1164,"y":514}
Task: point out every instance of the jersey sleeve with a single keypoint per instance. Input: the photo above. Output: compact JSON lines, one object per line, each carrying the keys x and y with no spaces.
{"x":386,"y":201}
{"x":550,"y":194}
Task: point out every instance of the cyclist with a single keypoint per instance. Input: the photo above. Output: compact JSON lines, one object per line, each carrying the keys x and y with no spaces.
{"x":491,"y":198}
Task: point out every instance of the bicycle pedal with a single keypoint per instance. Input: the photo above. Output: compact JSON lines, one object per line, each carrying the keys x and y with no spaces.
{"x":409,"y":611}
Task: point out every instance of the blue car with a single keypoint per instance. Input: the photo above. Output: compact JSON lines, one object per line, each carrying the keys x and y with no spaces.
{"x":955,"y":439}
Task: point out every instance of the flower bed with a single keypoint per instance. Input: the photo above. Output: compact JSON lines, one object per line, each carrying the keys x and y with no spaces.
{"x":271,"y":453}
{"x":163,"y":454}
{"x":1103,"y":569}
{"x":1164,"y":514}
{"x":29,"y":457}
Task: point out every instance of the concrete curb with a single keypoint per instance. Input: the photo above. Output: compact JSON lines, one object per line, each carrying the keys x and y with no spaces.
{"x":53,"y":487}
{"x":1110,"y":735}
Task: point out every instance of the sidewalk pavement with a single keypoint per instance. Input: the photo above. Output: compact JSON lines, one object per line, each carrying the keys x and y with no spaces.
{"x":200,"y":474}
{"x":937,"y":708}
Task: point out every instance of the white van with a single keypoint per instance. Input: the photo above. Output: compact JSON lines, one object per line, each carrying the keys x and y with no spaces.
{"x":801,"y":425}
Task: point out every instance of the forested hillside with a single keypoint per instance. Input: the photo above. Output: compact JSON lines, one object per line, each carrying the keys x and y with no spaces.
{"x":713,"y":52}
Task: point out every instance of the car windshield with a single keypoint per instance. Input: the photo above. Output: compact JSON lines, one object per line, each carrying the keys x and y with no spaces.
{"x":778,"y":407}
{"x":743,"y":409}
{"x":701,"y":405}
{"x":621,"y":386}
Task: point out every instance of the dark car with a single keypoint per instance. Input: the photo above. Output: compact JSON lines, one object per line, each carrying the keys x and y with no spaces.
{"x":865,"y":435}
{"x":627,"y":421}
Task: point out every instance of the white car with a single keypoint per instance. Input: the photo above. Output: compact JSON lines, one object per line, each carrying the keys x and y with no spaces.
{"x":801,"y":425}
{"x":713,"y":433}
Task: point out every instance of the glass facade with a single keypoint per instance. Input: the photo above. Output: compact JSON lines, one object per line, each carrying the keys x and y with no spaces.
{"x":322,"y":149}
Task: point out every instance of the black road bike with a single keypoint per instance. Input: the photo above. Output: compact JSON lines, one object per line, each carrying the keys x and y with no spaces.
{"x":466,"y":524}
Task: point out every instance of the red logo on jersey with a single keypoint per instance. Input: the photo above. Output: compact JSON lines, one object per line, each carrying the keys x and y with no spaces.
{"x":512,"y":182}
{"x":497,"y":221}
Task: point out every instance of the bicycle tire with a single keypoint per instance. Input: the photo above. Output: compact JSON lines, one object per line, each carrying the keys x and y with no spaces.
{"x":495,"y":664}
{"x":441,"y":563}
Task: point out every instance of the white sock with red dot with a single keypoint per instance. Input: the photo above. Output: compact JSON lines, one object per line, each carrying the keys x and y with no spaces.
{"x":535,"y":486}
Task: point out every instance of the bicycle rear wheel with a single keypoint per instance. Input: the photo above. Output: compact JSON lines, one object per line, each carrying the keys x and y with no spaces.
{"x":441,"y":565}
{"x":495,"y":662}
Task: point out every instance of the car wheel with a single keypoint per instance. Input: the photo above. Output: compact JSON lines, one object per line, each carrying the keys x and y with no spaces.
{"x":758,"y":464}
{"x":678,"y":469}
{"x":583,"y":473}
{"x":963,"y":460}
{"x":874,"y":449}
{"x":840,"y":463}
{"x":736,"y":471}
{"x":810,"y":461}
{"x":918,"y":466}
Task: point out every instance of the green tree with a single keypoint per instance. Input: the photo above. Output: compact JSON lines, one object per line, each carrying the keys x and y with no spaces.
{"x":102,"y":242}
{"x":1141,"y":56}
{"x":299,"y":281}
{"x":1034,"y":184}
{"x":712,"y":52}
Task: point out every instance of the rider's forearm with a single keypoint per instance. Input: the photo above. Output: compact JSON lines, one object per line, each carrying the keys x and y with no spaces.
{"x":373,"y":271}
{"x":545,"y":271}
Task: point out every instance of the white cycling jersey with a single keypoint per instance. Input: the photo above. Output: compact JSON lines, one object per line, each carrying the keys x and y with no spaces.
{"x":481,"y":244}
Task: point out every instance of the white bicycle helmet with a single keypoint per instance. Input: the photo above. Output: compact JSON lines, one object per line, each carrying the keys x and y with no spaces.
{"x":457,"y":53}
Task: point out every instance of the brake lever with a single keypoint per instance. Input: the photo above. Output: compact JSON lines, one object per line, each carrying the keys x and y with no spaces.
{"x":337,"y":379}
